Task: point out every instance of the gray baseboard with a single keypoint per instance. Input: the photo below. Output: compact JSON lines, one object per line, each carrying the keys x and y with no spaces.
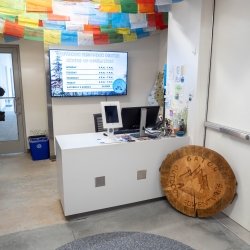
{"x":234,"y":227}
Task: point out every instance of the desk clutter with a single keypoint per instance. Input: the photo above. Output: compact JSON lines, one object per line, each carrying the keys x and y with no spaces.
{"x":136,"y":137}
{"x":131,"y":124}
{"x":121,"y":139}
{"x":129,"y":138}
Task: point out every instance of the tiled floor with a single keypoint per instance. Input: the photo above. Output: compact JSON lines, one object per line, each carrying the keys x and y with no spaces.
{"x":32,"y":219}
{"x":28,"y":194}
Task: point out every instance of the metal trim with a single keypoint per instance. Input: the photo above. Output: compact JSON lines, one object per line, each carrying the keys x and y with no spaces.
{"x":49,"y":104}
{"x":7,"y":97}
{"x":21,"y":96}
{"x":210,"y":67}
{"x":227,"y":130}
{"x":14,"y":102}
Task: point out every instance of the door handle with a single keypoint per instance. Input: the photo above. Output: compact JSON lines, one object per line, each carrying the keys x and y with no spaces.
{"x":230,"y":131}
{"x":15,"y":99}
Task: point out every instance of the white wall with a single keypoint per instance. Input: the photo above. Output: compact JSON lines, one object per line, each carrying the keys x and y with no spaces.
{"x":188,"y":45}
{"x":229,"y":90}
{"x":163,"y":49}
{"x":75,"y":115}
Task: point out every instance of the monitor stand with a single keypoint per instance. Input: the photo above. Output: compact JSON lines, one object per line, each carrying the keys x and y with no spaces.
{"x":143,"y":123}
{"x":110,"y":132}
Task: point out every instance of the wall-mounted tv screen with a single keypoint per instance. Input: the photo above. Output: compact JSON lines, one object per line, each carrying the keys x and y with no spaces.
{"x":87,"y":73}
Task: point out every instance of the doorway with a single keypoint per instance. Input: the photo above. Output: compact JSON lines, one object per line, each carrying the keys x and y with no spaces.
{"x":12,"y":132}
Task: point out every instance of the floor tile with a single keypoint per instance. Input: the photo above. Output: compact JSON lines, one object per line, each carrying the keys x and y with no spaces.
{"x":47,"y":238}
{"x":28,"y":196}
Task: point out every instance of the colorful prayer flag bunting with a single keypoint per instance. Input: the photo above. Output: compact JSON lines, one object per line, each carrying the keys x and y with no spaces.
{"x":35,"y":34}
{"x":69,"y":38}
{"x":130,"y":37}
{"x":83,"y":22}
{"x":13,"y":29}
{"x":52,"y":36}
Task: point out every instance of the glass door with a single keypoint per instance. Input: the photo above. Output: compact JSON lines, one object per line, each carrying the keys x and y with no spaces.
{"x":11,"y":115}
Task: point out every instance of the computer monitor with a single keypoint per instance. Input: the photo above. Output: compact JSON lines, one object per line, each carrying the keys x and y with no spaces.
{"x":133,"y":117}
{"x":111,"y":116}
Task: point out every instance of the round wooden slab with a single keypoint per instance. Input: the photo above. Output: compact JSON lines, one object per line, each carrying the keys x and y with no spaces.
{"x":197,"y":181}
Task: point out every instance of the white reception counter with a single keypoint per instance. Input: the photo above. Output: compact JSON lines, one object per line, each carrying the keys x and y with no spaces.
{"x":80,"y":159}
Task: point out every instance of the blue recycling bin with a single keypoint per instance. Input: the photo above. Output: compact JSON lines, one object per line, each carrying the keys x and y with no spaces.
{"x":39,"y":148}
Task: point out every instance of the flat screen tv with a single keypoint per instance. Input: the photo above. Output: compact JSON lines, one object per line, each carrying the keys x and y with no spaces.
{"x":76,"y":73}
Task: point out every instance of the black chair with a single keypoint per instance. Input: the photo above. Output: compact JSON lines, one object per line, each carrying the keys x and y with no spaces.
{"x":98,"y":123}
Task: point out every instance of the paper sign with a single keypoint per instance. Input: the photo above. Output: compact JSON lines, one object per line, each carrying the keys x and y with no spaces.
{"x":179,"y":92}
{"x":177,"y":78}
{"x":178,"y":70}
{"x":168,"y":102}
{"x":177,"y":73}
{"x":170,"y":72}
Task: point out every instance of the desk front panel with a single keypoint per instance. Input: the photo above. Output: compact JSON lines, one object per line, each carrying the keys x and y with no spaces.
{"x":119,"y":164}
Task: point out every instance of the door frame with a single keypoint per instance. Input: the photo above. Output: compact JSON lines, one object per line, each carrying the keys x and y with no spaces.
{"x":17,"y":74}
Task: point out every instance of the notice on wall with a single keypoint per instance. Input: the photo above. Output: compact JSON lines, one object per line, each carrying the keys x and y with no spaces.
{"x":179,"y":92}
{"x":177,"y":73}
{"x":170,"y":72}
{"x":168,"y":102}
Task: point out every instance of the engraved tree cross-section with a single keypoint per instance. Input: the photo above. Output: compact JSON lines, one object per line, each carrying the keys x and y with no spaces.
{"x":197,"y":181}
{"x":194,"y":183}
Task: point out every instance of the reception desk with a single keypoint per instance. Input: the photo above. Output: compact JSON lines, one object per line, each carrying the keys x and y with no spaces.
{"x":81,"y":159}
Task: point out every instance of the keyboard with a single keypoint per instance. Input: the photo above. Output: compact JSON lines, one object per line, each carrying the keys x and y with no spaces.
{"x":137,"y":135}
{"x":125,"y":131}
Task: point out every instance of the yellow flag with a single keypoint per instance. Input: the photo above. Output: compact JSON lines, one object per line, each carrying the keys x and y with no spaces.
{"x":11,"y":7}
{"x":123,"y":31}
{"x":110,"y":8}
{"x":130,"y":37}
{"x":52,"y":36}
{"x":103,"y":1}
{"x":28,"y":22}
{"x":39,"y":6}
{"x":11,"y":12}
{"x":43,"y":3}
{"x":107,"y":1}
